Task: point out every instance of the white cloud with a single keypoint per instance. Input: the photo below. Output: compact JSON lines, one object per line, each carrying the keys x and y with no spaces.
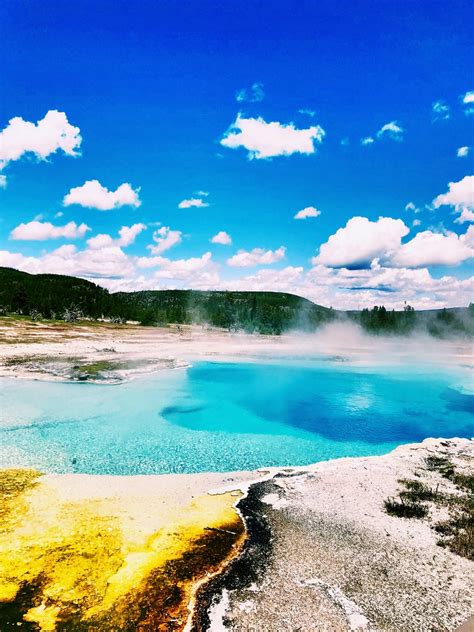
{"x":257,"y":256}
{"x":267,"y":140}
{"x":416,"y":222}
{"x":93,"y":195}
{"x":40,"y":231}
{"x":368,"y":140}
{"x":268,"y":280}
{"x":3,"y":182}
{"x":353,"y":289}
{"x":165,"y":238}
{"x":468,"y":101}
{"x":412,"y":207}
{"x":222,"y":238}
{"x":440,"y":110}
{"x":193,"y":202}
{"x":254,"y":95}
{"x":127,"y":235}
{"x":93,"y":264}
{"x":308,"y":112}
{"x":197,"y":271}
{"x":461,"y":197}
{"x":363,"y":244}
{"x":360,"y":242}
{"x":462,"y":152}
{"x":309,"y":211}
{"x":391,"y":130}
{"x":433,"y":249}
{"x":50,"y":134}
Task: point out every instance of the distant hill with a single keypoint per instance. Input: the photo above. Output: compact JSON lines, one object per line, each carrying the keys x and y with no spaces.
{"x":50,"y":294}
{"x":69,"y":298}
{"x":54,"y":296}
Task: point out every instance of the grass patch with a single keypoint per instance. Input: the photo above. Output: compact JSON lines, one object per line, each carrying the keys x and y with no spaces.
{"x":457,"y":532}
{"x":440,"y":464}
{"x":416,"y":491}
{"x":405,"y":509}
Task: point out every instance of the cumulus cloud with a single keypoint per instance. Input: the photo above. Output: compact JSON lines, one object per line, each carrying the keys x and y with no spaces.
{"x":368,"y":140}
{"x":3,"y":182}
{"x":363,"y":244}
{"x":468,"y":102}
{"x":41,"y":231}
{"x":164,"y":239}
{"x":309,"y":211}
{"x":93,"y":195}
{"x":460,"y":196}
{"x":197,"y":202}
{"x":360,"y":242}
{"x":197,"y":271}
{"x":267,"y":140}
{"x":268,"y":280}
{"x":428,"y":248}
{"x":462,"y":152}
{"x":222,"y":238}
{"x":49,"y":135}
{"x":440,"y":110}
{"x":253,"y":95}
{"x":255,"y":257}
{"x":352,"y":289}
{"x":468,"y":97}
{"x":91,"y":264}
{"x":127,"y":235}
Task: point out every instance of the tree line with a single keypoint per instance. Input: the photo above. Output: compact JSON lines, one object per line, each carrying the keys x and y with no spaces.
{"x":51,"y":296}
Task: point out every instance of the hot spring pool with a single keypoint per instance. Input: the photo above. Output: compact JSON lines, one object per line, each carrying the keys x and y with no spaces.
{"x":222,"y":416}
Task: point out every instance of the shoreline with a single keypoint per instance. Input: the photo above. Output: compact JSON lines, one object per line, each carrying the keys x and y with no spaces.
{"x":106,"y":353}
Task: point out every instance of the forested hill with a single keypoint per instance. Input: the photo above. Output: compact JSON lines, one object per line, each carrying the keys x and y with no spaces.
{"x":69,"y":298}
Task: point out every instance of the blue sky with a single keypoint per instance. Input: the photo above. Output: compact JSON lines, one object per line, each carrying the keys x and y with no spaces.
{"x":155,"y":88}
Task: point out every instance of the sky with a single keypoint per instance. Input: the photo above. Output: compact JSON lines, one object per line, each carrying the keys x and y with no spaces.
{"x":320,"y":148}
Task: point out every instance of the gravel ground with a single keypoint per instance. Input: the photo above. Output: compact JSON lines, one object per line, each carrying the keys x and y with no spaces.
{"x":335,"y":561}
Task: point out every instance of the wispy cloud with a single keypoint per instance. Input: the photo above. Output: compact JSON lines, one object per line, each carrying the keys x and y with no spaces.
{"x":252,"y":95}
{"x":193,"y":202}
{"x":391,"y":130}
{"x":440,"y":111}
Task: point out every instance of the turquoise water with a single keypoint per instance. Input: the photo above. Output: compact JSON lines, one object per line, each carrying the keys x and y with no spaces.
{"x":222,"y":416}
